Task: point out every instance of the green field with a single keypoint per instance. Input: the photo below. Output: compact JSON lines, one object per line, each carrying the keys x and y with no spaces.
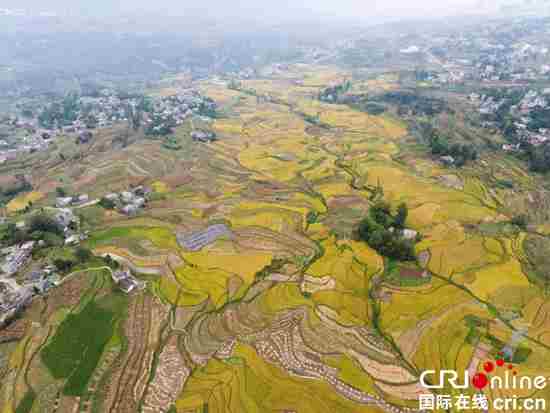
{"x":75,"y":349}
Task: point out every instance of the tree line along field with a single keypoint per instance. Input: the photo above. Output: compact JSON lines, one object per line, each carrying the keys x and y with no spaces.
{"x":290,"y":312}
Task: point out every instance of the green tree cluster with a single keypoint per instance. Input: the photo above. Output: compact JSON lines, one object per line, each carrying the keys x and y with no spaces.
{"x":63,"y":265}
{"x":83,"y":254}
{"x":538,"y":157}
{"x":521,"y":221}
{"x":461,"y":153}
{"x":381,"y":230}
{"x":60,"y":192}
{"x":44,"y":223}
{"x":60,"y":113}
{"x":107,"y":203}
{"x":41,"y":227}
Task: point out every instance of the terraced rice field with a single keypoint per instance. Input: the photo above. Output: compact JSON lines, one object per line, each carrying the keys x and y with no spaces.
{"x":286,"y":313}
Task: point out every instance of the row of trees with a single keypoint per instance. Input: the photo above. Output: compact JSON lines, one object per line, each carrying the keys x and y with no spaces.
{"x":382,"y":230}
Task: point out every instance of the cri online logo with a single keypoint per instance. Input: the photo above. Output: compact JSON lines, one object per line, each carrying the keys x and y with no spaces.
{"x":509,"y":380}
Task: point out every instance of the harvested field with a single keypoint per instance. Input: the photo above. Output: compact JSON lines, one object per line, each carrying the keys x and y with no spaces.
{"x":170,"y":376}
{"x":126,"y":383}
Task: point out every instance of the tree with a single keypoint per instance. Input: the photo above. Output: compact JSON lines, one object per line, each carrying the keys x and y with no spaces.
{"x":377,"y":239}
{"x":455,"y":150}
{"x":311,"y":217}
{"x":110,"y":262}
{"x":381,"y":213}
{"x":44,"y":223}
{"x":402,"y":214}
{"x":107,"y":203}
{"x":520,"y":220}
{"x":539,"y":157}
{"x":12,"y":235}
{"x":134,"y":115}
{"x":366,"y":227}
{"x":60,"y":192}
{"x":403,"y":249}
{"x":63,"y":265}
{"x":91,"y":121}
{"x":70,"y":107}
{"x":439,"y":146}
{"x":460,"y":161}
{"x":51,"y":240}
{"x":376,"y":231}
{"x":83,"y":254}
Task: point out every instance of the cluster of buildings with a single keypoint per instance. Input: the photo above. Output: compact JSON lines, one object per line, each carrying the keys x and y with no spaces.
{"x":518,"y":61}
{"x":103,"y":111}
{"x":533,"y":138}
{"x":459,"y":71}
{"x":109,"y":108}
{"x":15,"y":257}
{"x":126,"y":281}
{"x":450,"y":77}
{"x":70,"y":223}
{"x":167,"y":112}
{"x":496,"y":52}
{"x":521,"y":113}
{"x":184,"y":104}
{"x":487,"y":105}
{"x":129,"y":202}
{"x":13,"y":299}
{"x":29,"y":138}
{"x":43,"y":280}
{"x":532,"y":100}
{"x":203,"y":136}
{"x":71,"y":201}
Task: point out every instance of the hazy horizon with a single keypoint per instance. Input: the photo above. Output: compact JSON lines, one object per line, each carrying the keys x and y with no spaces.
{"x":282,"y":10}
